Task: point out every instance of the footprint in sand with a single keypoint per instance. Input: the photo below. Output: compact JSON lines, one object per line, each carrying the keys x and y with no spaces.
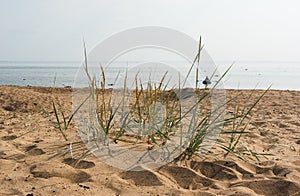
{"x":281,"y":171}
{"x":141,"y":178}
{"x":9,"y":137}
{"x":242,"y":169}
{"x":186,"y":178}
{"x":214,"y":170}
{"x":79,"y":164}
{"x":57,"y":169}
{"x":34,"y":150}
{"x":270,"y":187}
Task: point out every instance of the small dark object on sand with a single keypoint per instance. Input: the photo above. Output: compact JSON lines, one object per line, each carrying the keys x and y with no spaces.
{"x":206,"y":82}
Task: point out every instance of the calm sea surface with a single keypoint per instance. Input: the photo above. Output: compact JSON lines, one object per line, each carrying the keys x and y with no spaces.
{"x":243,"y":75}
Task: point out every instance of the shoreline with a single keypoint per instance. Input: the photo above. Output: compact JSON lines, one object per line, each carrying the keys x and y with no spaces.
{"x":70,"y":87}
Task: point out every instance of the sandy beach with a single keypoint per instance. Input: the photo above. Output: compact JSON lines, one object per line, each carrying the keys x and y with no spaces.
{"x":35,"y":159}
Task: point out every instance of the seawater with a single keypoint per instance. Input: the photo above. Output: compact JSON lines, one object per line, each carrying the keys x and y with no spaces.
{"x":242,"y":75}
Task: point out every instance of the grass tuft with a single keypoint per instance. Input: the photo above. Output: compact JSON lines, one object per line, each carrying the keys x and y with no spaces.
{"x":151,"y":114}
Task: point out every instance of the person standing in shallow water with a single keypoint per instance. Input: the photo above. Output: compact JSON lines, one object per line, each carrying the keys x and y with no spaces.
{"x":206,"y":82}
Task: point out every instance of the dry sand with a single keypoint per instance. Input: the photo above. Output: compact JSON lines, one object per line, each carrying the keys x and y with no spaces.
{"x":33,"y":162}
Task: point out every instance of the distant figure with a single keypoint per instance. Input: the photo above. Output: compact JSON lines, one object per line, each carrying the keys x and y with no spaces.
{"x":206,"y":82}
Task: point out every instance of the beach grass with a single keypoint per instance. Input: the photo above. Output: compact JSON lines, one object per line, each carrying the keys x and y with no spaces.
{"x":150,"y":115}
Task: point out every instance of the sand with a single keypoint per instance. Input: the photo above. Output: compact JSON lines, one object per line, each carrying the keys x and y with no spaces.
{"x":34,"y":158}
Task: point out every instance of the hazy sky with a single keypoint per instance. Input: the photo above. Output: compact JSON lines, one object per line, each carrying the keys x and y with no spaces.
{"x":232,"y":29}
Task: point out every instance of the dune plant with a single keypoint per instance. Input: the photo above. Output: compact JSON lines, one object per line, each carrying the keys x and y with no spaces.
{"x":237,"y":123}
{"x":63,"y":121}
{"x":233,"y":127}
{"x":137,"y":109}
{"x":152,"y":112}
{"x":136,"y":116}
{"x":75,"y":148}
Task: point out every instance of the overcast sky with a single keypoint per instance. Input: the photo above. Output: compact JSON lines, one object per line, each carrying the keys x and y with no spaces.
{"x":234,"y":30}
